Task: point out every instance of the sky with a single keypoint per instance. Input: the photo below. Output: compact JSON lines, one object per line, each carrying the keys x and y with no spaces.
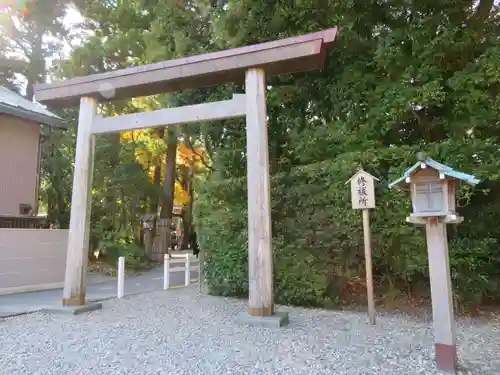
{"x":71,"y":20}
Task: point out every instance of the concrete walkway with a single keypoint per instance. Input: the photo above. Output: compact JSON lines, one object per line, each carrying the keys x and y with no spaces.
{"x":22,"y":303}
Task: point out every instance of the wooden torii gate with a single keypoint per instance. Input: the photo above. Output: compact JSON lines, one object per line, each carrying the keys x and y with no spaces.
{"x":248,"y":64}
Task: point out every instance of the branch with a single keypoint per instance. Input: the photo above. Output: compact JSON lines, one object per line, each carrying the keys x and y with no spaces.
{"x":208,"y":147}
{"x":178,"y":179}
{"x":415,"y":115}
{"x":20,"y":41}
{"x":18,"y":66}
{"x":481,"y":13}
{"x":200,"y":157}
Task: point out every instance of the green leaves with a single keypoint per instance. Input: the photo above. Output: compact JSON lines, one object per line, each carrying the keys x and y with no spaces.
{"x":318,"y":240}
{"x":399,"y":79}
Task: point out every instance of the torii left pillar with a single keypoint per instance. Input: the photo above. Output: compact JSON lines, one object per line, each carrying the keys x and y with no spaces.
{"x":79,"y":226}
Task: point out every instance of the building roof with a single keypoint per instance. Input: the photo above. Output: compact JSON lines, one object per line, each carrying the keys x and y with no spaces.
{"x":13,"y":104}
{"x":441,"y":168}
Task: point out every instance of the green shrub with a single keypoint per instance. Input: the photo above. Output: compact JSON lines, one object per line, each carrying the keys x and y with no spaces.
{"x":114,"y":245}
{"x":318,"y":239}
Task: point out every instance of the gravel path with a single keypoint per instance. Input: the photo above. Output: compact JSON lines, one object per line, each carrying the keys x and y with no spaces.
{"x":180,"y":332}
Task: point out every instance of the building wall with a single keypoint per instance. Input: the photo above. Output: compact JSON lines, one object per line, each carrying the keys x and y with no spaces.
{"x":32,"y":259}
{"x":19,"y":145}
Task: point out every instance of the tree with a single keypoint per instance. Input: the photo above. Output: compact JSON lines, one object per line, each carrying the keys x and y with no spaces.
{"x":28,"y":37}
{"x":402,"y":77}
{"x":126,"y":34}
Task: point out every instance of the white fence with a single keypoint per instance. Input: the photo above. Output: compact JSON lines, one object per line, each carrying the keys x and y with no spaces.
{"x":187,"y":262}
{"x":121,"y":277}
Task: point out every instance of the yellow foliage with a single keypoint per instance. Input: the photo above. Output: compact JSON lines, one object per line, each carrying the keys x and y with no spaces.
{"x":180,"y":195}
{"x":150,"y":152}
{"x":186,"y":156}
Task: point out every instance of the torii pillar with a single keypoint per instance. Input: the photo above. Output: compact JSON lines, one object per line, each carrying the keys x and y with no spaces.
{"x":260,"y":257}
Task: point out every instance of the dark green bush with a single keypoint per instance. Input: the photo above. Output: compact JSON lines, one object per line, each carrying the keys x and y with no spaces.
{"x":318,"y":240}
{"x":115,"y":244}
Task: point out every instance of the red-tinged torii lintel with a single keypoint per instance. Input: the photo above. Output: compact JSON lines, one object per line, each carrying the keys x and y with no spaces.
{"x":251,"y":65}
{"x":290,"y":55}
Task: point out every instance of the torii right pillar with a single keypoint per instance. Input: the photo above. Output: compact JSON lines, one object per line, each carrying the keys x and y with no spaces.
{"x":261,"y":309}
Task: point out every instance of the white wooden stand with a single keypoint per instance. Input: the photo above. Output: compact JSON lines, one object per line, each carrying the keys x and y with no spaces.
{"x":188,"y":264}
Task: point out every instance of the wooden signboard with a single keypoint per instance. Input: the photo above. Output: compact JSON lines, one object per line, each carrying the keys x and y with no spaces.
{"x":363,"y":198}
{"x":362,"y":190}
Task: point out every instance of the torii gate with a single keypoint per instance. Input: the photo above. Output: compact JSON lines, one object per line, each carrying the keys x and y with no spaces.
{"x":248,"y":64}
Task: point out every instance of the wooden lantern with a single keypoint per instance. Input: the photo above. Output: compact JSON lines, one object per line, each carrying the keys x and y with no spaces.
{"x":432,"y":194}
{"x":432,"y":186}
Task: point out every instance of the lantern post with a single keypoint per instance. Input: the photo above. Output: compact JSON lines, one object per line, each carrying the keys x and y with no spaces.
{"x":432,"y":187}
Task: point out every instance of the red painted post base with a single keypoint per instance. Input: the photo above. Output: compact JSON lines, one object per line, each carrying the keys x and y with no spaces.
{"x":446,"y":357}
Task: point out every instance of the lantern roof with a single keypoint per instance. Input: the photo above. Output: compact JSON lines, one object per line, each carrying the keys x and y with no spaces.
{"x":444,"y":170}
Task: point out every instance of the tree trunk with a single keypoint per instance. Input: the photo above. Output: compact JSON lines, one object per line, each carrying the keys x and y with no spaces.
{"x":167,"y":205}
{"x":36,"y":67}
{"x":187,"y":215}
{"x":155,"y":201}
{"x":113,"y":208}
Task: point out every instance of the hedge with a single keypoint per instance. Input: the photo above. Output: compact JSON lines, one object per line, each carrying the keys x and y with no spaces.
{"x":318,"y":239}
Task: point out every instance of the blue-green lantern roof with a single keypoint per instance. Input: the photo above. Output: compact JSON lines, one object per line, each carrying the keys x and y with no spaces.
{"x":441,"y":168}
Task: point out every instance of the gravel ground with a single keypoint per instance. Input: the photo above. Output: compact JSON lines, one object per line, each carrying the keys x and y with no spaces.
{"x":181,"y":332}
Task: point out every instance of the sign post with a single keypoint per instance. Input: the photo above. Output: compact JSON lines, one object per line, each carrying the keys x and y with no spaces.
{"x":363,"y":198}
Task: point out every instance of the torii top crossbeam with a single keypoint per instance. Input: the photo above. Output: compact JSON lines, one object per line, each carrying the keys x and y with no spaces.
{"x":295,"y":54}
